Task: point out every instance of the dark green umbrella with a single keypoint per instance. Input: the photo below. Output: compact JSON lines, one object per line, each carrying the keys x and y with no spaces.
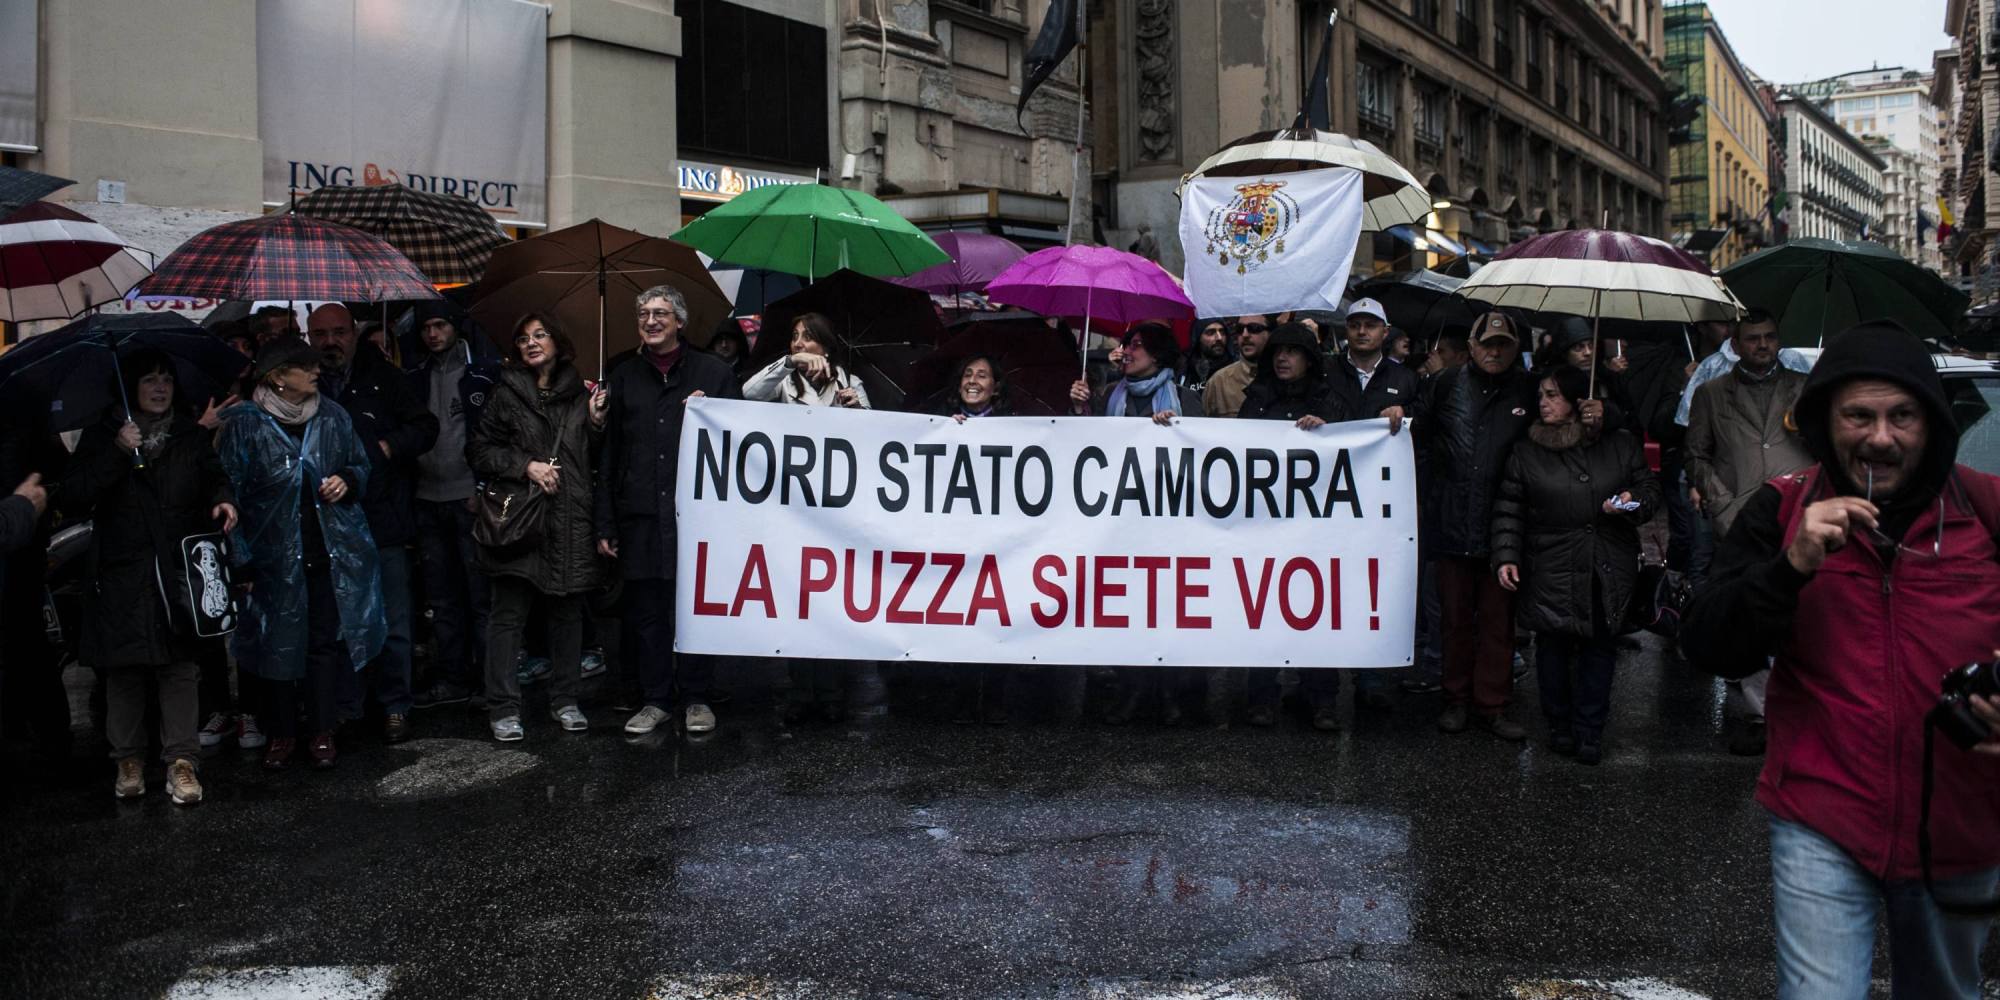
{"x":812,"y":230}
{"x":1821,"y":287}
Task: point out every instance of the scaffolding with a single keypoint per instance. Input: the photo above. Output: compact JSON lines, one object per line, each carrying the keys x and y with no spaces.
{"x":1687,"y":71}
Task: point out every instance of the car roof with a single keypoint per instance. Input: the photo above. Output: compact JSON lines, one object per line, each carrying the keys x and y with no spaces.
{"x":1949,"y":364}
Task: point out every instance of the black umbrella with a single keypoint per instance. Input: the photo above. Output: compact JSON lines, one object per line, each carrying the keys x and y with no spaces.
{"x":73,"y":375}
{"x":1421,"y":303}
{"x":1037,"y":360}
{"x":19,"y":187}
{"x":884,"y":328}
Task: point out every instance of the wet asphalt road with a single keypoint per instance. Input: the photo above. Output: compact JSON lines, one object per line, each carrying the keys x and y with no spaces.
{"x":904,"y":856}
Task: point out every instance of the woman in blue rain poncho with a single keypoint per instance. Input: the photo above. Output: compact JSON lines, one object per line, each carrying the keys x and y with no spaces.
{"x":303,"y":547}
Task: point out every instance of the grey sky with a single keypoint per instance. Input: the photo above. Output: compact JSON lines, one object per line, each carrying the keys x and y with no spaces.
{"x":1791,"y":41}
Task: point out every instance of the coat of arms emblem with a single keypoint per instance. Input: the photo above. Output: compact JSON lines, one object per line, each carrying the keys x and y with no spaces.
{"x":1250,"y":228}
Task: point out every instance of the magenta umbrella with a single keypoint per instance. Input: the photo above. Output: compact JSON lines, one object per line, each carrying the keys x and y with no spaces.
{"x":1086,"y":283}
{"x":976,"y":258}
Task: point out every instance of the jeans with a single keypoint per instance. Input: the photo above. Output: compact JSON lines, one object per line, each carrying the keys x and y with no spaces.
{"x":1575,"y":677}
{"x":125,"y":710}
{"x":456,"y":593}
{"x":387,"y":676}
{"x":513,"y":599}
{"x":1478,"y":635}
{"x":649,"y":649}
{"x":1826,"y":906}
{"x":327,"y":664}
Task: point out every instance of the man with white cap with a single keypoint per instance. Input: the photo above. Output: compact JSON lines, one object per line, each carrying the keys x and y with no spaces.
{"x":1387,"y":389}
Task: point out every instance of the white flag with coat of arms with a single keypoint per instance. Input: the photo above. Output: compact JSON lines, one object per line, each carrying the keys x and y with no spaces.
{"x":1270,"y":243}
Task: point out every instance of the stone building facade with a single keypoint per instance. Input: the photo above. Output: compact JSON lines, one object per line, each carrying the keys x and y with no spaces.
{"x":1518,"y":115}
{"x":1967,"y":83}
{"x":1834,"y":182}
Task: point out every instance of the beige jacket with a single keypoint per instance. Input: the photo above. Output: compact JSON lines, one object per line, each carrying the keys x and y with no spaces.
{"x":1737,"y":439}
{"x":1222,"y":396}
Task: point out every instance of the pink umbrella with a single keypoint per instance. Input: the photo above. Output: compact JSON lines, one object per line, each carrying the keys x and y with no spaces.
{"x":976,"y":258}
{"x":1086,"y":283}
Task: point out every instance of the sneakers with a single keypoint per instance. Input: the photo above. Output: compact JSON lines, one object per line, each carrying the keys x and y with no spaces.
{"x":534,"y":669}
{"x":1453,"y":719}
{"x":131,"y":778}
{"x":648,"y":719}
{"x":396,"y":729}
{"x":699,"y":718}
{"x":441,"y":693}
{"x":249,"y":736}
{"x":570,"y":718}
{"x":593,"y":663}
{"x":220,"y":726}
{"x":1326,"y":717}
{"x":182,"y":784}
{"x":278,"y":755}
{"x":323,"y":753}
{"x":508,"y":730}
{"x":1503,"y":727}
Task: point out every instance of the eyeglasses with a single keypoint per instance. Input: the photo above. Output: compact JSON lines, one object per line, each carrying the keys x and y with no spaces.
{"x":655,"y":313}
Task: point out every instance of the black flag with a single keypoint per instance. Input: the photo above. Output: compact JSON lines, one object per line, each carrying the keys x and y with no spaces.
{"x":1052,"y":46}
{"x":1317,"y":113}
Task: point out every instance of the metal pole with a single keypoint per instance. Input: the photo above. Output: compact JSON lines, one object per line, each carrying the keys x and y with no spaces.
{"x":1083,"y":338}
{"x":1596,"y":318}
{"x":1082,"y":67}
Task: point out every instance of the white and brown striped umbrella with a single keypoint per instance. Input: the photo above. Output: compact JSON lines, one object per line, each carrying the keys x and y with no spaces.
{"x":56,"y":263}
{"x":1603,"y":275}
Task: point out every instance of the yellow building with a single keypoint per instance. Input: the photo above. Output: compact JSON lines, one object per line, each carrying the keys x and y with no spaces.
{"x":1719,"y":169}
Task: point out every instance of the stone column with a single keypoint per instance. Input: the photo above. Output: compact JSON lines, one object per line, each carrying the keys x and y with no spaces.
{"x":613,"y":151}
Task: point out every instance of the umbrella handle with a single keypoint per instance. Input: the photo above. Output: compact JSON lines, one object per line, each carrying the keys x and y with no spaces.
{"x":118,"y":372}
{"x":1596,"y":318}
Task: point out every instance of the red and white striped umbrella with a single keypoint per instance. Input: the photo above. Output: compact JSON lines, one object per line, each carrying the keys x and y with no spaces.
{"x":56,"y":263}
{"x":1604,"y":275}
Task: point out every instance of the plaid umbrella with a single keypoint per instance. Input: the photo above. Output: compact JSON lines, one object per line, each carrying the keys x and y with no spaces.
{"x":55,"y":263}
{"x":288,"y":257}
{"x":448,"y":237}
{"x":19,"y":187}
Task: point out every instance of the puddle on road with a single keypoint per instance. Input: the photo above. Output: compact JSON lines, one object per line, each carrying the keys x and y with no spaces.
{"x":311,"y":982}
{"x":451,"y":767}
{"x":1585,"y":989}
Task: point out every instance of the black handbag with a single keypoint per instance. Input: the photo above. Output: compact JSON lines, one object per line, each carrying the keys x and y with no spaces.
{"x":199,"y":595}
{"x":511,"y":511}
{"x":1659,"y":600}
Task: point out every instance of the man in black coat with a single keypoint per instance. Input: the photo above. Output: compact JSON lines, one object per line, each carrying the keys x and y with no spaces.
{"x":1476,"y":413}
{"x":396,"y":427}
{"x":644,"y":398}
{"x":32,"y":683}
{"x":1387,"y":389}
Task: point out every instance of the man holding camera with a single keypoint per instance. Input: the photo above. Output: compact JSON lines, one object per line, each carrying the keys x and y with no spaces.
{"x":1870,"y":575}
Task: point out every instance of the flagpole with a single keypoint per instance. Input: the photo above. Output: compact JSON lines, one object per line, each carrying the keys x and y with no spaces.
{"x":1082,"y":74}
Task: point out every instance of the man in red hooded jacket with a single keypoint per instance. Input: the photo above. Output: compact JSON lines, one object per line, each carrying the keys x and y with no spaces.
{"x":1869,"y":575}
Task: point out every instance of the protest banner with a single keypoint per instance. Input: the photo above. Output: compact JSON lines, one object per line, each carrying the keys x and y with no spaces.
{"x":812,"y":532}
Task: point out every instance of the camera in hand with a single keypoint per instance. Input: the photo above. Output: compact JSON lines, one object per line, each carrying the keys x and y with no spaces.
{"x":1953,"y":714}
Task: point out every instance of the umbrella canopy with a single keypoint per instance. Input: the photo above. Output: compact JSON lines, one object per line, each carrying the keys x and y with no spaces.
{"x":1037,"y":360}
{"x":1390,"y":194}
{"x":447,"y":237}
{"x":20,"y":187}
{"x":1083,"y":282}
{"x":976,"y":258}
{"x":1818,"y":288}
{"x":72,"y":374}
{"x":811,"y":229}
{"x":884,"y":328}
{"x":1421,"y":303}
{"x":56,"y":263}
{"x":753,"y":289}
{"x":1603,"y":274}
{"x":587,"y":278}
{"x":288,"y":257}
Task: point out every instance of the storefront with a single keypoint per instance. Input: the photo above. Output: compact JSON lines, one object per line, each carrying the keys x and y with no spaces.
{"x":705,"y":185}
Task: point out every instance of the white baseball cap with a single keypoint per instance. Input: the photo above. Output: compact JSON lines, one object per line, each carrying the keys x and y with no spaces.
{"x":1367,"y":307}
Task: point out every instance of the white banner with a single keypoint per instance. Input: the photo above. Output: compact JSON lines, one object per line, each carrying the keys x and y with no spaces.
{"x":449,"y":96}
{"x":809,"y":532}
{"x":1271,"y":243}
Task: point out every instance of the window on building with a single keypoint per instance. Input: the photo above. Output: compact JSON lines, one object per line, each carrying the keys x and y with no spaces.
{"x":1425,"y":12}
{"x":1503,"y":37}
{"x":751,"y":84}
{"x":1430,"y":113}
{"x":1375,"y":96}
{"x":1468,"y":25}
{"x":1472,"y":138}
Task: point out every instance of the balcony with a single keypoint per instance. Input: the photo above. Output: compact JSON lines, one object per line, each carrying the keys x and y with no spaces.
{"x":1380,"y":120}
{"x":1430,"y":139}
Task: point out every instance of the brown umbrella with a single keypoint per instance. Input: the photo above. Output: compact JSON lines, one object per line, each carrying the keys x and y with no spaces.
{"x":586,"y":278}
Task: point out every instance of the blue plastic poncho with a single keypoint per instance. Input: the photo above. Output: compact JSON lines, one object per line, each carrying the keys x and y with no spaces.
{"x":268,"y":468}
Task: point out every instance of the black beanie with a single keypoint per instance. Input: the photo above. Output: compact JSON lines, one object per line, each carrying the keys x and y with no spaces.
{"x":1880,"y":349}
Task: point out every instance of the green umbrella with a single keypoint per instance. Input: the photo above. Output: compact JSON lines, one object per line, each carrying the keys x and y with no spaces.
{"x":1821,"y":287}
{"x":810,"y":230}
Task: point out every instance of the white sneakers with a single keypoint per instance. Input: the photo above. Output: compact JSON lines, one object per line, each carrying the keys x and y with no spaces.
{"x":570,"y":718}
{"x":508,"y":730}
{"x":699,"y":718}
{"x":648,"y":719}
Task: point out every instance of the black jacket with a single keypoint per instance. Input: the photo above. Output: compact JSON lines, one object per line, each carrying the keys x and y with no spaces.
{"x":1474,"y":419}
{"x":1318,"y":394}
{"x":377,"y":395}
{"x":1578,"y":564}
{"x":640,"y":459}
{"x":139,"y":516}
{"x":517,"y":427}
{"x":1392,"y":385}
{"x":24,"y":567}
{"x":481,"y":374}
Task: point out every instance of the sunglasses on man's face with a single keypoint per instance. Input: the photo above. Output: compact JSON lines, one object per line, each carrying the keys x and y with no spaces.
{"x":1251,"y":328}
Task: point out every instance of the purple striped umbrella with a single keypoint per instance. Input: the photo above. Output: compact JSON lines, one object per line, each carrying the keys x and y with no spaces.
{"x":1086,"y":283}
{"x":1603,"y":275}
{"x":976,"y":259}
{"x":56,"y":263}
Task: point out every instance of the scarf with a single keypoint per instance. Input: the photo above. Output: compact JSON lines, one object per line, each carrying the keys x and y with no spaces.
{"x":1159,"y":389}
{"x":292,"y":414}
{"x":664,"y":363}
{"x":962,"y":408}
{"x":1557,"y":437}
{"x":153,"y":433}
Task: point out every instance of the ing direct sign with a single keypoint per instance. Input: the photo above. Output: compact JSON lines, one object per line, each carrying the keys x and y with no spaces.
{"x":717,"y":182}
